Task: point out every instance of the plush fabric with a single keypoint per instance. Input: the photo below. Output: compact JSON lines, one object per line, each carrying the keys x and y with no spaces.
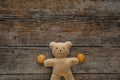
{"x":61,"y":64}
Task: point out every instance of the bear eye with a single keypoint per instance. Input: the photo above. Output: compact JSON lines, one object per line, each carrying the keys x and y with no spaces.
{"x":63,"y":47}
{"x":56,"y":48}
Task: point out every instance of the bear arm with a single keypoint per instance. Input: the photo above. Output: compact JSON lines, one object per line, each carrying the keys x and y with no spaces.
{"x":49,"y":63}
{"x":74,"y":61}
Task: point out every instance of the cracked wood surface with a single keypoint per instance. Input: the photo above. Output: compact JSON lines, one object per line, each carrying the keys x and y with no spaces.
{"x":47,"y":77}
{"x":81,"y":33}
{"x":46,"y":8}
{"x":28,"y":26}
{"x":23,"y":60}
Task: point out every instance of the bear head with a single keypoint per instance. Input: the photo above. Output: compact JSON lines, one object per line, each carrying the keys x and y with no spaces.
{"x":60,"y":50}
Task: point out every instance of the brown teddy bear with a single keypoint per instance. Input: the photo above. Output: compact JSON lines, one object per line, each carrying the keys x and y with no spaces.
{"x":61,"y":63}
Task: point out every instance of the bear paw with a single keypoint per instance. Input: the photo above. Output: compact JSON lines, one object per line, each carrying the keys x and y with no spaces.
{"x":41,"y":58}
{"x":81,"y":57}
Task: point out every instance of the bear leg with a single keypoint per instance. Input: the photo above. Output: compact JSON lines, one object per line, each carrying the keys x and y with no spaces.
{"x":55,"y":77}
{"x":69,"y":76}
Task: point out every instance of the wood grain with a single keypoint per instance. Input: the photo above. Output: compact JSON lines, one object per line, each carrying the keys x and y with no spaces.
{"x":81,"y":33}
{"x":46,"y":8}
{"x":47,"y":77}
{"x":28,"y":26}
{"x":19,"y":60}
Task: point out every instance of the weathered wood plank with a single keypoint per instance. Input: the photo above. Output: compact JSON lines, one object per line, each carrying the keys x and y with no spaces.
{"x":23,"y":60}
{"x":47,"y":77}
{"x":81,"y":33}
{"x":46,"y":8}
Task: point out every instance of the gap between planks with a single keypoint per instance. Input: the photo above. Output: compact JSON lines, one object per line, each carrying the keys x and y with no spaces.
{"x":51,"y":73}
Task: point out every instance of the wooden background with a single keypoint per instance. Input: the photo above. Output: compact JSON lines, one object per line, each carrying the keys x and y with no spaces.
{"x":28,"y":26}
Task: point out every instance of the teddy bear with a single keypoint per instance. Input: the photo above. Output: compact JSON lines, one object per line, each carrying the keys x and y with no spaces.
{"x":61,"y":63}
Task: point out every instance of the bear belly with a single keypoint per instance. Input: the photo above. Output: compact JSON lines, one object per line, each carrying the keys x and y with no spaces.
{"x":61,"y":67}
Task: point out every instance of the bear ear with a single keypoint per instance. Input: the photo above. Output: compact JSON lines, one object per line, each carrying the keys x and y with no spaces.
{"x":68,"y":43}
{"x":52,"y":44}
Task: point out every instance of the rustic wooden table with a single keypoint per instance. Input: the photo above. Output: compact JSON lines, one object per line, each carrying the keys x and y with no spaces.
{"x":28,"y":26}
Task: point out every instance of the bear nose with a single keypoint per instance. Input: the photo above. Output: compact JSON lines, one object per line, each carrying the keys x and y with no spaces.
{"x":60,"y":50}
